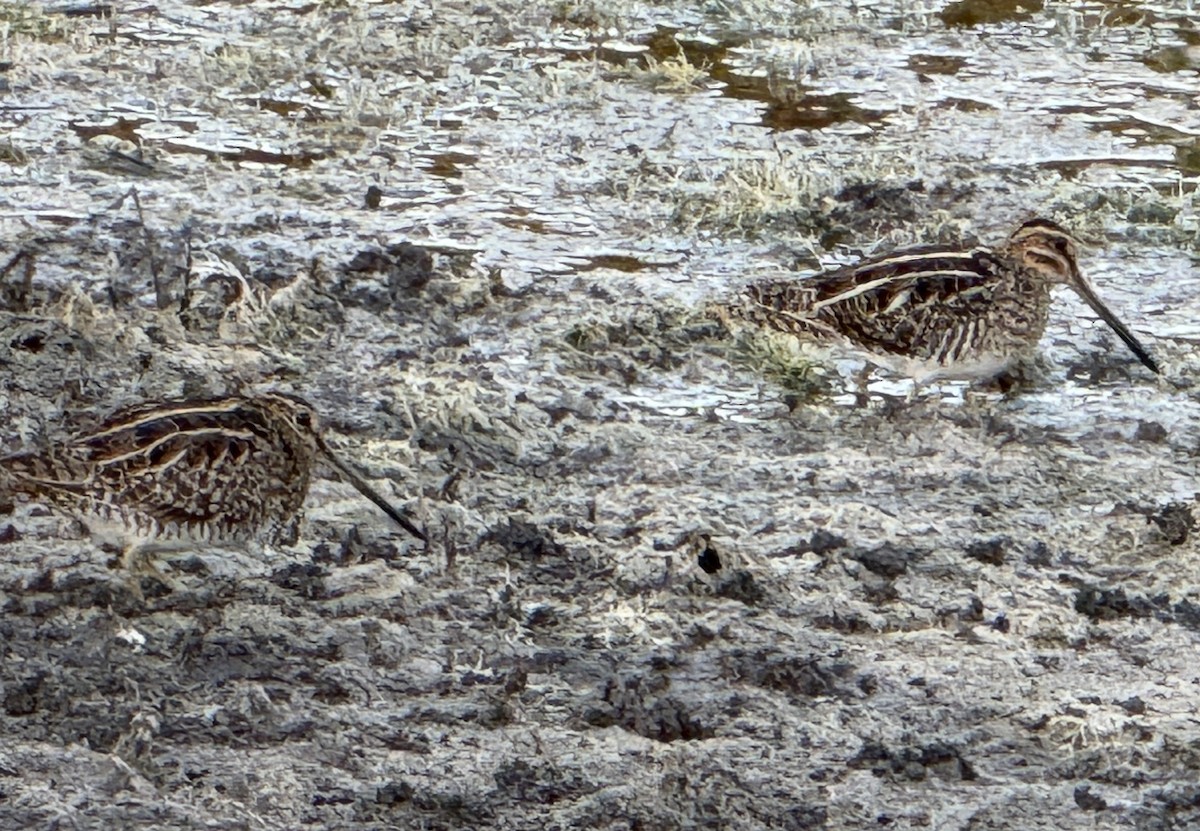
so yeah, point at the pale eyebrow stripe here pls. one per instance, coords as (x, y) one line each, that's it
(146, 418)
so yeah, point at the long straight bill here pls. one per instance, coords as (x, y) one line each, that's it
(1089, 297)
(352, 476)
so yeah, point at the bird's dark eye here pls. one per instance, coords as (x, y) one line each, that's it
(304, 419)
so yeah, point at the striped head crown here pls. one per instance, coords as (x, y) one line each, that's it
(299, 415)
(1047, 249)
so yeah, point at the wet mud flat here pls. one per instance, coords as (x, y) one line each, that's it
(483, 239)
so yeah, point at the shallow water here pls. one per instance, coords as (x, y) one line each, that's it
(937, 589)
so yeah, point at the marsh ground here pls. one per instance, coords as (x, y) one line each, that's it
(481, 238)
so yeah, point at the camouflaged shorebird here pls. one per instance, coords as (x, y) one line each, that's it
(225, 469)
(935, 312)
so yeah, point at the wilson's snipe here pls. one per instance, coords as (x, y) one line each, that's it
(226, 469)
(932, 312)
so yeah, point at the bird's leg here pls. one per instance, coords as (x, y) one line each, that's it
(138, 561)
(914, 391)
(862, 390)
(135, 557)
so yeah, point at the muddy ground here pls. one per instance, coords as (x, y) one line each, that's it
(483, 239)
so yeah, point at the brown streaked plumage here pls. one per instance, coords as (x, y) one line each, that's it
(936, 312)
(233, 468)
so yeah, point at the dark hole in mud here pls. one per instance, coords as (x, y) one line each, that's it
(709, 560)
(34, 343)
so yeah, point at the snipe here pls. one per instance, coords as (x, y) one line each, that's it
(233, 468)
(934, 312)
